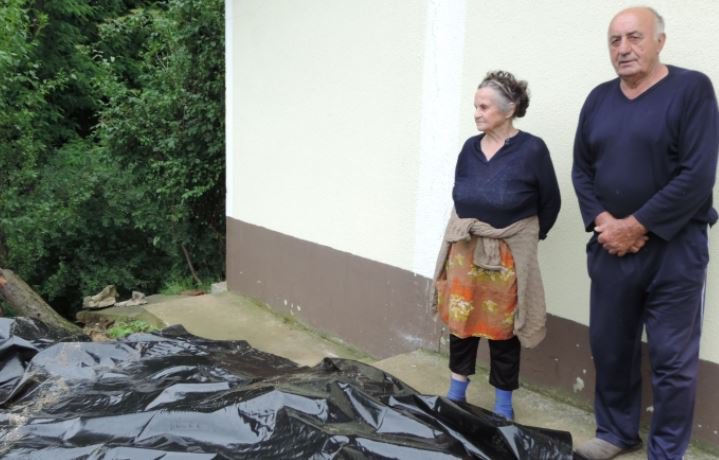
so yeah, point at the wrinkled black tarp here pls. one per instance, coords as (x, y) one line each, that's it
(172, 395)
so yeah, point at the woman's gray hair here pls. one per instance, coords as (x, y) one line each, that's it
(512, 92)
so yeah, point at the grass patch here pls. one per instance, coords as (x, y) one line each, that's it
(124, 328)
(177, 285)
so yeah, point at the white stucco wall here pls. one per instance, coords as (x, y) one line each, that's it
(324, 129)
(344, 117)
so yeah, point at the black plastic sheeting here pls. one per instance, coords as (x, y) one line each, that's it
(171, 395)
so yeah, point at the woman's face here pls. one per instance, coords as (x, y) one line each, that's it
(488, 114)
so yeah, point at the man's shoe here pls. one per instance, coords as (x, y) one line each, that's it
(599, 449)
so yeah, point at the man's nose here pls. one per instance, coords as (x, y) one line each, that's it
(623, 47)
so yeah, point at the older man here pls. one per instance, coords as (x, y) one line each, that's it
(645, 159)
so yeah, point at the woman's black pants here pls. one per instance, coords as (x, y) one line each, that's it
(504, 360)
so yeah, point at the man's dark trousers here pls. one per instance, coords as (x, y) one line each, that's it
(662, 288)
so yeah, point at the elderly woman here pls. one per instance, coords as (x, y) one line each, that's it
(506, 198)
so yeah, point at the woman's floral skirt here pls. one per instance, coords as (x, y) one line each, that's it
(474, 301)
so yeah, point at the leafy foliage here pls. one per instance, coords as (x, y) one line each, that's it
(111, 144)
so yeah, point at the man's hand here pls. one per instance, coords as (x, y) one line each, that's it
(620, 236)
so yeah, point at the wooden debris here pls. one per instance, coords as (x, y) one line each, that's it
(28, 303)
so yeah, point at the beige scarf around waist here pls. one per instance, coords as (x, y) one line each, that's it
(522, 237)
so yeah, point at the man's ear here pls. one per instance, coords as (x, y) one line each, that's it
(661, 40)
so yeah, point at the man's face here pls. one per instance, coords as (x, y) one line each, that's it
(633, 43)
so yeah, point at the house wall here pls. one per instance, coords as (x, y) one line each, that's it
(344, 120)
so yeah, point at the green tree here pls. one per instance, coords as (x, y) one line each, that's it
(111, 144)
(164, 121)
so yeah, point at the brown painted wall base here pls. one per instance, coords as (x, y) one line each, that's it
(376, 307)
(383, 310)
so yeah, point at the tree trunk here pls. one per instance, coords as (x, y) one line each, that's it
(28, 303)
(3, 251)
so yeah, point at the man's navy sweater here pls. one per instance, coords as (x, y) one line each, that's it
(654, 156)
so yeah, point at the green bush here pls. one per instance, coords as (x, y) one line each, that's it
(111, 144)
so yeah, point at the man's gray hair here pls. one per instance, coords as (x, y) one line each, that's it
(658, 22)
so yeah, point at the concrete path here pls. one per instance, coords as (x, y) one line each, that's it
(229, 316)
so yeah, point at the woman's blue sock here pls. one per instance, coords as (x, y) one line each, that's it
(503, 403)
(457, 390)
